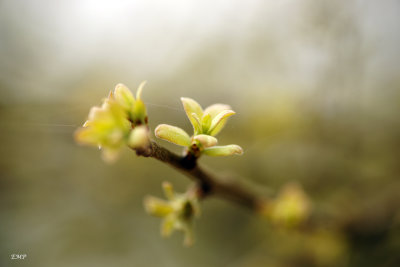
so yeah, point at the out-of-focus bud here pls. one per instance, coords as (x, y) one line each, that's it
(134, 108)
(177, 212)
(107, 128)
(291, 207)
(157, 207)
(124, 97)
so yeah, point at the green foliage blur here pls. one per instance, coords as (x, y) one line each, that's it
(315, 86)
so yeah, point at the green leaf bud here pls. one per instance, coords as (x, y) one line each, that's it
(139, 137)
(206, 140)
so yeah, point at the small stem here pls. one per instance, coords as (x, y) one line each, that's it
(209, 183)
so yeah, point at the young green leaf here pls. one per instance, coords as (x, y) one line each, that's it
(223, 150)
(172, 134)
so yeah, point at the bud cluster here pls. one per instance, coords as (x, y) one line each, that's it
(121, 120)
(206, 125)
(178, 211)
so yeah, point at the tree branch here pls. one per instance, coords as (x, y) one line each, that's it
(208, 183)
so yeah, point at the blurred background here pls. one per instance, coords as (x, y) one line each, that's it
(315, 84)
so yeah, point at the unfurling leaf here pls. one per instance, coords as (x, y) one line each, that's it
(219, 121)
(191, 106)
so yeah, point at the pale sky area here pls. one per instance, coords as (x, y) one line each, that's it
(45, 42)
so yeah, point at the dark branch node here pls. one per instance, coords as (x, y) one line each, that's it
(207, 183)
